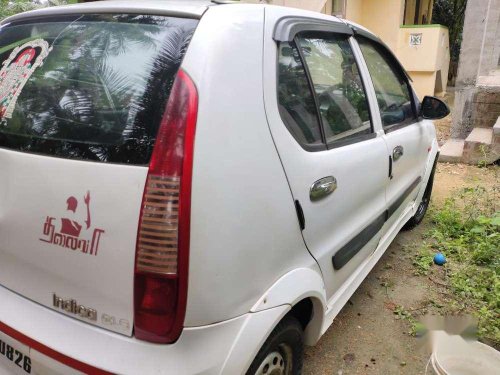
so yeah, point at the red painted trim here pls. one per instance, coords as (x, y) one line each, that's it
(59, 357)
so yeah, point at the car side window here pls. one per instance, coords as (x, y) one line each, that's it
(391, 85)
(341, 97)
(295, 99)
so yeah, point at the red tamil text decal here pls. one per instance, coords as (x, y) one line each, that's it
(73, 235)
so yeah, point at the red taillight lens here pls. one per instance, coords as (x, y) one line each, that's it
(161, 267)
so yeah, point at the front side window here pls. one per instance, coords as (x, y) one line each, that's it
(90, 87)
(341, 97)
(391, 86)
(296, 101)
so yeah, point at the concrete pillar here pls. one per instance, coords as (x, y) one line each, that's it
(489, 53)
(479, 55)
(472, 38)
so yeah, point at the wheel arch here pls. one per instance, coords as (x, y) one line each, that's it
(303, 289)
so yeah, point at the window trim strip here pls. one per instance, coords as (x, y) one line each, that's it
(288, 27)
(311, 88)
(351, 140)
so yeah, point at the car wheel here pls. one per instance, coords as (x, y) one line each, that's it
(282, 353)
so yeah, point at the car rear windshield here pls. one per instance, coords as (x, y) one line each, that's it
(90, 87)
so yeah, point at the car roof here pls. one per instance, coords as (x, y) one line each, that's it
(179, 8)
(188, 8)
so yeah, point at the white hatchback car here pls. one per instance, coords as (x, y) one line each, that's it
(188, 187)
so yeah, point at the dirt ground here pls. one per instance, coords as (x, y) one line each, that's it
(443, 126)
(367, 337)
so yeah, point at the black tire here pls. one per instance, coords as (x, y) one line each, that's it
(286, 342)
(424, 203)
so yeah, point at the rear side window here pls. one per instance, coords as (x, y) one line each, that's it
(391, 86)
(90, 87)
(296, 101)
(337, 83)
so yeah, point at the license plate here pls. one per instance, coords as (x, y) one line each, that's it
(14, 356)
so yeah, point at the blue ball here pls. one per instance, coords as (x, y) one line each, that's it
(439, 259)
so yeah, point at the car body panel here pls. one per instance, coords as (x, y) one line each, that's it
(199, 350)
(249, 263)
(258, 226)
(35, 258)
(359, 168)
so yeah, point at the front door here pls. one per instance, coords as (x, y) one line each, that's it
(335, 163)
(408, 143)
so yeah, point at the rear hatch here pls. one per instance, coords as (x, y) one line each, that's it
(81, 100)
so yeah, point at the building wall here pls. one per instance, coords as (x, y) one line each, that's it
(354, 11)
(477, 102)
(489, 53)
(423, 82)
(426, 72)
(314, 5)
(383, 17)
(424, 10)
(470, 52)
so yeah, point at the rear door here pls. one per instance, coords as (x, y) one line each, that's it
(335, 162)
(81, 99)
(407, 139)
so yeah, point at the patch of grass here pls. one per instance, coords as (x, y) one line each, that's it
(404, 314)
(423, 260)
(467, 230)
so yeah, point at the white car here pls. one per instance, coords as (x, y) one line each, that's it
(195, 188)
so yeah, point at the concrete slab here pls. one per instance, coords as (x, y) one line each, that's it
(481, 135)
(496, 128)
(481, 147)
(451, 151)
(488, 81)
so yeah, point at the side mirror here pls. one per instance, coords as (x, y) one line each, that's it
(433, 108)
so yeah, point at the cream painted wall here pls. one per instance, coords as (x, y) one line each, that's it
(354, 11)
(423, 83)
(315, 5)
(434, 47)
(425, 60)
(383, 17)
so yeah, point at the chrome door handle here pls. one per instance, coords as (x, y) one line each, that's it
(322, 188)
(397, 153)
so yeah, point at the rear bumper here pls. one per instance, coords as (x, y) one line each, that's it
(60, 344)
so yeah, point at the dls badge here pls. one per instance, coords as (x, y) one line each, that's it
(70, 233)
(16, 71)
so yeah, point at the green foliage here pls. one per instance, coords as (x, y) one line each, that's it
(467, 231)
(451, 13)
(403, 314)
(423, 261)
(11, 7)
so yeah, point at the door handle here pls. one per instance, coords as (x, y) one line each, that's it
(322, 188)
(397, 153)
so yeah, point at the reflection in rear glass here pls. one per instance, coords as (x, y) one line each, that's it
(97, 93)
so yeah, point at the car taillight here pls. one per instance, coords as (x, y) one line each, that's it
(161, 266)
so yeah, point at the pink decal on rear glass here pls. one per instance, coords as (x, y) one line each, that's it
(16, 71)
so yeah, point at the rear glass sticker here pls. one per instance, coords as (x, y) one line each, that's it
(16, 71)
